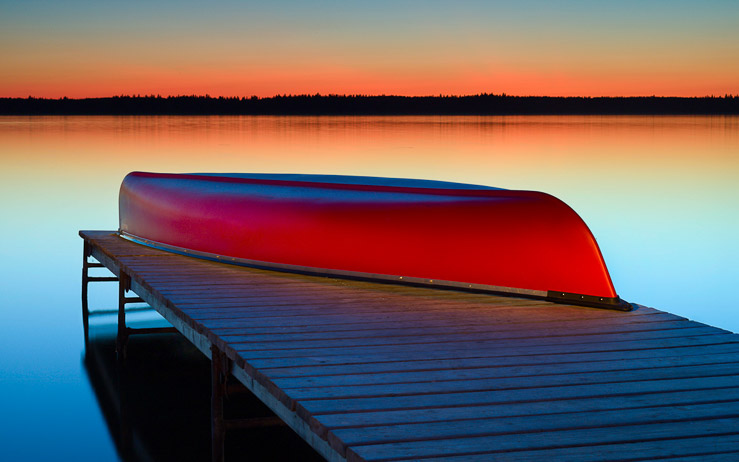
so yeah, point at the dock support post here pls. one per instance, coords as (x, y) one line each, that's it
(86, 280)
(124, 284)
(220, 369)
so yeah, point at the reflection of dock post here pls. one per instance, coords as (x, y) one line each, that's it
(124, 284)
(125, 431)
(86, 279)
(220, 369)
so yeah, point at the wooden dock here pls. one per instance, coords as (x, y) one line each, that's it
(380, 372)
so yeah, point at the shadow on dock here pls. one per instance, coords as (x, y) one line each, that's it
(157, 403)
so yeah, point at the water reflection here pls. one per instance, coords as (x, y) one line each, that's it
(156, 404)
(659, 193)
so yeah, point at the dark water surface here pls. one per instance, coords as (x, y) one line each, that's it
(660, 194)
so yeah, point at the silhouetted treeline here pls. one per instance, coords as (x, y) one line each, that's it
(483, 104)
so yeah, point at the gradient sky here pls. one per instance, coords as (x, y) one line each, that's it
(595, 48)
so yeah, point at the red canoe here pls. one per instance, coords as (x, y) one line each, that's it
(414, 231)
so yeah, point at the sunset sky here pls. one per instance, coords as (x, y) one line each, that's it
(566, 48)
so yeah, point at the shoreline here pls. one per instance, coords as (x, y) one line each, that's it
(483, 104)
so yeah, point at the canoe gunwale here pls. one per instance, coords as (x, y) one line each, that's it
(613, 303)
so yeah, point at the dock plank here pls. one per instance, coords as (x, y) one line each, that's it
(671, 356)
(530, 408)
(693, 449)
(326, 391)
(552, 329)
(493, 396)
(527, 424)
(468, 351)
(669, 432)
(517, 338)
(370, 371)
(449, 374)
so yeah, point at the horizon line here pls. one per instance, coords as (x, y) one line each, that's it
(360, 95)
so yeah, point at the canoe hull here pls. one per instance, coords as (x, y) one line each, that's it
(522, 242)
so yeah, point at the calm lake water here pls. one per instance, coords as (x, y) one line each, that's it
(661, 195)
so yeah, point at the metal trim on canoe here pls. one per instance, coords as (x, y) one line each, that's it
(615, 303)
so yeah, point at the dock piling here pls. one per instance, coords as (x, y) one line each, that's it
(220, 370)
(124, 284)
(86, 279)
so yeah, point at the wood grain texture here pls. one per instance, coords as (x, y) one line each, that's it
(369, 371)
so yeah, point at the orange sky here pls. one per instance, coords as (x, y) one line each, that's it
(83, 49)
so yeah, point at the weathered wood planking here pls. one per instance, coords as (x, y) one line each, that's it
(368, 371)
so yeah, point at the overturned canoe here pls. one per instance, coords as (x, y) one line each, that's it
(413, 231)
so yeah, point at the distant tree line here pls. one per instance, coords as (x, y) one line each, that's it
(481, 104)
